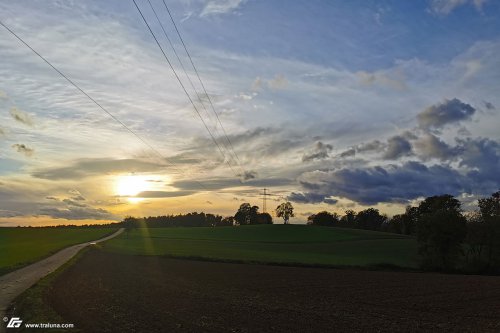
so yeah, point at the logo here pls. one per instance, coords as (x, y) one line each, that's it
(15, 322)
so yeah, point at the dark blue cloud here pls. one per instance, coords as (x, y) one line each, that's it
(311, 197)
(398, 184)
(439, 115)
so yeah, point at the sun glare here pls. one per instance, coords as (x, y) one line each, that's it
(129, 186)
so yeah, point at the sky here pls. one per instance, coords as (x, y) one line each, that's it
(332, 105)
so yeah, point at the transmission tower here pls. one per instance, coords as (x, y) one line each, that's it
(264, 199)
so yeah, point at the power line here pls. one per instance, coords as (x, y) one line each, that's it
(183, 87)
(230, 149)
(160, 155)
(82, 91)
(201, 82)
(180, 61)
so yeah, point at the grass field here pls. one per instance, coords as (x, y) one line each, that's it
(273, 244)
(21, 246)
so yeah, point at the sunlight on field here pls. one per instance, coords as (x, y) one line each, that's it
(273, 244)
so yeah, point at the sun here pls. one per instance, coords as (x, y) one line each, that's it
(129, 186)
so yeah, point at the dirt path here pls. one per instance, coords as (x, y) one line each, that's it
(14, 283)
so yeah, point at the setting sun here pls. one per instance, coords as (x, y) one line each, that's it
(129, 186)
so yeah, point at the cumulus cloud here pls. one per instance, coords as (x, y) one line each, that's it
(449, 112)
(430, 146)
(398, 184)
(308, 197)
(373, 146)
(311, 198)
(21, 116)
(320, 151)
(397, 147)
(22, 148)
(482, 157)
(217, 7)
(479, 162)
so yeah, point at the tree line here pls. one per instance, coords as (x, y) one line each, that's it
(246, 215)
(193, 219)
(448, 239)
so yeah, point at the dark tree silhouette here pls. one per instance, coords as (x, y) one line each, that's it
(349, 219)
(441, 229)
(489, 209)
(226, 222)
(403, 223)
(264, 218)
(285, 210)
(370, 219)
(246, 214)
(324, 218)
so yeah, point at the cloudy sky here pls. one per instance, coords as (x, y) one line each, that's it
(332, 105)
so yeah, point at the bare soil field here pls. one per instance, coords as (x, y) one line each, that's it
(109, 292)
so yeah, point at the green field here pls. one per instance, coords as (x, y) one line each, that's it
(21, 246)
(273, 244)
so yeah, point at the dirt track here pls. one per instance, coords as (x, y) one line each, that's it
(107, 292)
(14, 283)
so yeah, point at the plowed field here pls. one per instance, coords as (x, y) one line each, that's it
(109, 292)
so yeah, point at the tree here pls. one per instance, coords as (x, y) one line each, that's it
(349, 219)
(489, 209)
(246, 214)
(402, 223)
(476, 239)
(264, 218)
(395, 224)
(213, 220)
(285, 210)
(226, 222)
(370, 219)
(324, 218)
(441, 229)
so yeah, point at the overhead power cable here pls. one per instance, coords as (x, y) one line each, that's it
(157, 153)
(183, 87)
(181, 63)
(201, 82)
(229, 148)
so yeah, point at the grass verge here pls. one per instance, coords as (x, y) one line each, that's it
(32, 306)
